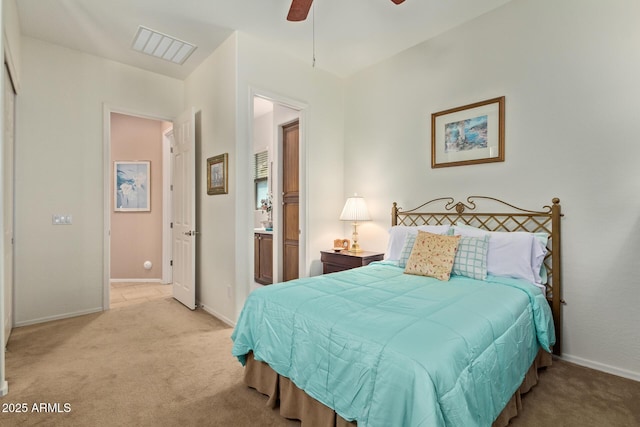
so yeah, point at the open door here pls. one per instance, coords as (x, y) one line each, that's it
(184, 209)
(291, 200)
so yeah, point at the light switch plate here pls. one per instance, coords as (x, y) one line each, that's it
(57, 219)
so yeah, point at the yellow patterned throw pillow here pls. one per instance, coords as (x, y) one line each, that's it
(432, 255)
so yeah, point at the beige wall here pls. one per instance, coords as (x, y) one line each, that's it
(11, 33)
(136, 237)
(572, 98)
(211, 90)
(60, 169)
(220, 92)
(264, 69)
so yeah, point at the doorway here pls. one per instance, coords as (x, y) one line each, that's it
(134, 234)
(278, 130)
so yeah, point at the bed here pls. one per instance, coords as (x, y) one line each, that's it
(376, 346)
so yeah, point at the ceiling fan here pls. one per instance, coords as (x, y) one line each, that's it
(300, 9)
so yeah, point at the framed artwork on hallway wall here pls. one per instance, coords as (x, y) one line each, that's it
(132, 186)
(468, 135)
(217, 174)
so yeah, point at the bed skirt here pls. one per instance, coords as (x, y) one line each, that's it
(296, 404)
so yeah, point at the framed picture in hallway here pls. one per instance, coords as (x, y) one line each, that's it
(217, 175)
(132, 186)
(468, 135)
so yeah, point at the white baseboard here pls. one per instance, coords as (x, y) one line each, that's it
(217, 315)
(58, 317)
(136, 280)
(601, 367)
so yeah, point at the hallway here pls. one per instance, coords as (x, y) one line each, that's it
(124, 294)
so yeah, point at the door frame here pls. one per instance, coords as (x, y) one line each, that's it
(8, 68)
(301, 107)
(106, 189)
(10, 249)
(167, 206)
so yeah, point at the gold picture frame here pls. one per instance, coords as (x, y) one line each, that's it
(217, 174)
(342, 244)
(468, 135)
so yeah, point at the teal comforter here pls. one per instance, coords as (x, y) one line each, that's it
(390, 349)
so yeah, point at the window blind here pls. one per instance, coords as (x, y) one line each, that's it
(261, 165)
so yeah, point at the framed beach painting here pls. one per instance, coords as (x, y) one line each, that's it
(468, 135)
(132, 186)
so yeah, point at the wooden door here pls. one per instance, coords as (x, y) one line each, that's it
(290, 200)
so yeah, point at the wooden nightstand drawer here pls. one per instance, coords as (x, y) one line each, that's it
(344, 260)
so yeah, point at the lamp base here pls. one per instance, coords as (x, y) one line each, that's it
(355, 248)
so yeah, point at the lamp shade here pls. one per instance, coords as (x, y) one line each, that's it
(355, 209)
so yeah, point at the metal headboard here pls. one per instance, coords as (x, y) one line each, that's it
(512, 219)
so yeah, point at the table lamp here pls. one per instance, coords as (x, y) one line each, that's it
(355, 209)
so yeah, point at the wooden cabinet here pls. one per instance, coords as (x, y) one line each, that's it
(344, 260)
(263, 258)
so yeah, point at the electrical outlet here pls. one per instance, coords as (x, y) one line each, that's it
(228, 291)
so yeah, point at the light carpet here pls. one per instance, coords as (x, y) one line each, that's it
(160, 364)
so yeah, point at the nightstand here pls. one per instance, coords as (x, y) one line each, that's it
(344, 260)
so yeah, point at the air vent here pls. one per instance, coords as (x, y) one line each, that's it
(162, 46)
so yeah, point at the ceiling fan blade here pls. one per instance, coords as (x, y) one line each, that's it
(397, 1)
(299, 10)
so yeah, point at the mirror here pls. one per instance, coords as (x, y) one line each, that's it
(262, 191)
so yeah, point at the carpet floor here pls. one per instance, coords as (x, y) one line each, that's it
(159, 364)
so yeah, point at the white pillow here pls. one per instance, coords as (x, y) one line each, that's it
(398, 234)
(513, 254)
(541, 273)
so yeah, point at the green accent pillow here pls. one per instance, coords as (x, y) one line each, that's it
(471, 257)
(406, 249)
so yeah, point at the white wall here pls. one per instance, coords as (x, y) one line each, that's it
(265, 70)
(263, 136)
(569, 73)
(211, 89)
(59, 170)
(9, 27)
(11, 33)
(221, 90)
